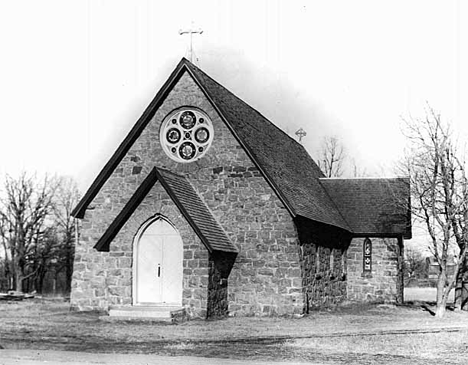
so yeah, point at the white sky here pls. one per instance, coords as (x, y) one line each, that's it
(76, 75)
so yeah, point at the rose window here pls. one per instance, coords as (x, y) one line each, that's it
(186, 135)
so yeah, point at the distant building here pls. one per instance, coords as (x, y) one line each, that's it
(208, 207)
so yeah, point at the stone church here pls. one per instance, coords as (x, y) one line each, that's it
(209, 209)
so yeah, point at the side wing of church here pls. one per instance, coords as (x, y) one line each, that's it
(208, 207)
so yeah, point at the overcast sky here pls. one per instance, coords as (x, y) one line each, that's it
(76, 75)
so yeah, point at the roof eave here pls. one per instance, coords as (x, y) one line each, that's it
(184, 212)
(125, 145)
(249, 152)
(104, 242)
(114, 228)
(405, 235)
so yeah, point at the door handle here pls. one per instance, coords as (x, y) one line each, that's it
(159, 270)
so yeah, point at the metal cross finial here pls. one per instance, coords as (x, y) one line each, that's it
(301, 133)
(191, 31)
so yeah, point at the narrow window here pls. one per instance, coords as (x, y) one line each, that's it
(367, 256)
(317, 259)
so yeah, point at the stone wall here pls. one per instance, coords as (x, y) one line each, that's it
(218, 305)
(102, 279)
(324, 271)
(382, 284)
(266, 277)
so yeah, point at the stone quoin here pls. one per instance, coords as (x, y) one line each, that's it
(209, 207)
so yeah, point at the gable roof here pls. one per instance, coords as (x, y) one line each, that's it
(373, 206)
(127, 143)
(195, 211)
(186, 199)
(285, 163)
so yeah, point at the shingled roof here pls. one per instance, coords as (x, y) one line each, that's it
(189, 203)
(285, 163)
(196, 212)
(373, 206)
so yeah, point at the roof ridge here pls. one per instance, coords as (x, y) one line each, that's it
(287, 167)
(117, 223)
(199, 74)
(142, 191)
(188, 216)
(244, 102)
(373, 206)
(334, 203)
(169, 171)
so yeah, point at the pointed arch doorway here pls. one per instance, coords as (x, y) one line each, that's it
(158, 265)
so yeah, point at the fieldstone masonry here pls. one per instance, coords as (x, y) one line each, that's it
(382, 283)
(102, 279)
(218, 305)
(266, 277)
(274, 272)
(324, 276)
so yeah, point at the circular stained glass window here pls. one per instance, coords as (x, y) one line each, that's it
(173, 135)
(187, 150)
(186, 134)
(202, 135)
(187, 119)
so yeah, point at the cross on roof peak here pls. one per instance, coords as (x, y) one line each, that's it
(301, 133)
(192, 30)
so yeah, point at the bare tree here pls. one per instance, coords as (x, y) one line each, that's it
(45, 255)
(358, 171)
(24, 208)
(439, 191)
(414, 265)
(6, 254)
(331, 157)
(66, 199)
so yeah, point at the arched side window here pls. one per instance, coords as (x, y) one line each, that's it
(367, 256)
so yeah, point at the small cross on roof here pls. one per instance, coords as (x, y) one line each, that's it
(301, 133)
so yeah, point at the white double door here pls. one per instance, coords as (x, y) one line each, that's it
(158, 265)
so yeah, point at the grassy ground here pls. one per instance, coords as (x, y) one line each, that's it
(372, 334)
(424, 294)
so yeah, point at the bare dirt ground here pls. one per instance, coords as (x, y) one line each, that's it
(371, 334)
(50, 357)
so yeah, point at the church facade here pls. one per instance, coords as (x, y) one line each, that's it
(209, 207)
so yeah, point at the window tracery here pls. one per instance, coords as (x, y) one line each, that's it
(186, 135)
